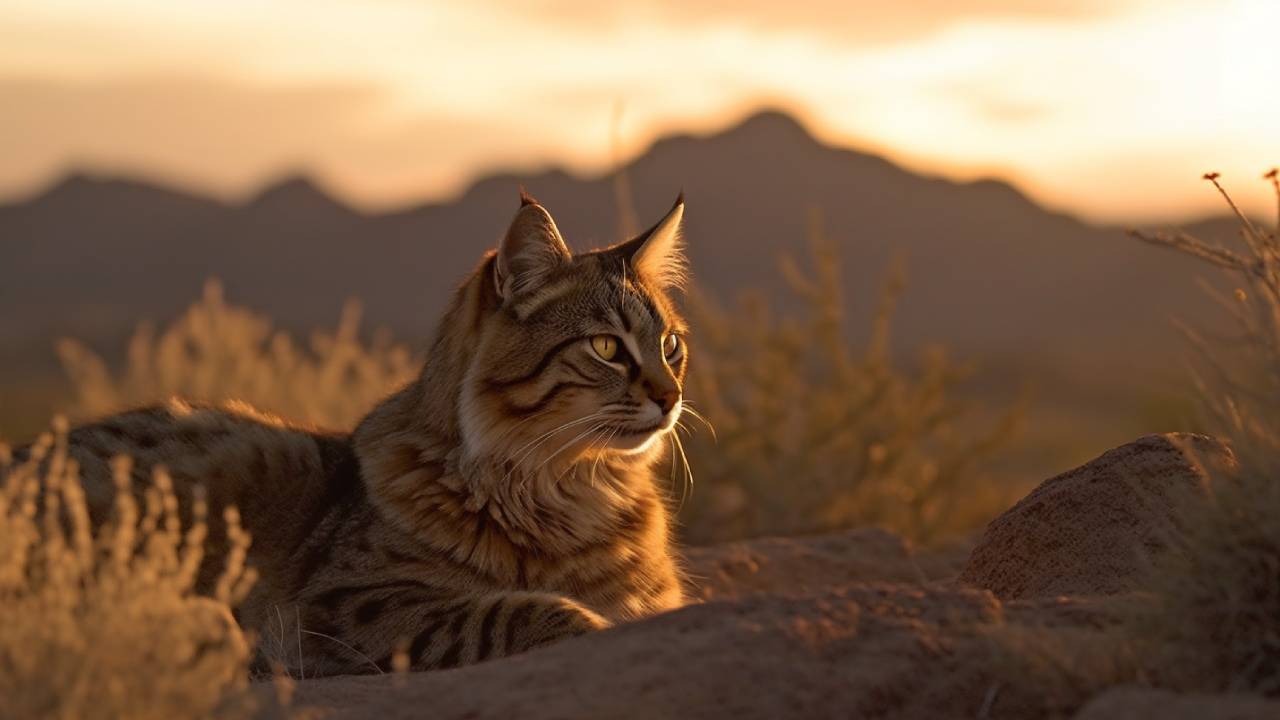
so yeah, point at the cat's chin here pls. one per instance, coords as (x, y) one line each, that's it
(637, 442)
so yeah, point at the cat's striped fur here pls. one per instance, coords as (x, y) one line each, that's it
(502, 501)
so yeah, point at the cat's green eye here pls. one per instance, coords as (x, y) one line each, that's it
(606, 346)
(671, 347)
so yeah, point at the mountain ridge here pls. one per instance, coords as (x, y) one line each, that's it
(990, 272)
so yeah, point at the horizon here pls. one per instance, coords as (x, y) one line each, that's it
(1106, 111)
(321, 185)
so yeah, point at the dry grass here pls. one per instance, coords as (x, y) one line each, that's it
(105, 623)
(1210, 619)
(1218, 616)
(1053, 671)
(217, 352)
(814, 432)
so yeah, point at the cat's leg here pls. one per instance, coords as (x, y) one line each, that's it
(368, 630)
(498, 625)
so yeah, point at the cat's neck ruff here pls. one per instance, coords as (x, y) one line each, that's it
(414, 474)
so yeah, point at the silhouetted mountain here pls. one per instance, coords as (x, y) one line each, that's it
(297, 199)
(990, 272)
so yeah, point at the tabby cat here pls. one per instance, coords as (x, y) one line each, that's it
(502, 501)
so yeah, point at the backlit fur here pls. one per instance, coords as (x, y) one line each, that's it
(501, 501)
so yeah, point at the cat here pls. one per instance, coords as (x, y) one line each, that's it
(502, 501)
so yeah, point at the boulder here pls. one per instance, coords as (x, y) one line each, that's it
(819, 563)
(866, 651)
(1093, 530)
(857, 624)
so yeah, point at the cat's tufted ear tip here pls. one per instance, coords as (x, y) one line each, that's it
(530, 250)
(679, 200)
(526, 199)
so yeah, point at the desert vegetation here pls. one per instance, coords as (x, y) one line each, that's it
(216, 352)
(1217, 610)
(816, 432)
(107, 623)
(796, 429)
(1209, 620)
(861, 441)
(865, 440)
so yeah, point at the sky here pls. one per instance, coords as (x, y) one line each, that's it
(1108, 109)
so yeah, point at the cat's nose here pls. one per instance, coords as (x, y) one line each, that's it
(665, 399)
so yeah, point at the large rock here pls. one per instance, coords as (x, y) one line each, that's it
(1093, 530)
(815, 564)
(855, 624)
(798, 628)
(866, 651)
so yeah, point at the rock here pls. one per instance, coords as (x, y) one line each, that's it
(1093, 530)
(866, 651)
(856, 624)
(1128, 703)
(808, 564)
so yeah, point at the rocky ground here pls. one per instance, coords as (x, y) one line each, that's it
(853, 625)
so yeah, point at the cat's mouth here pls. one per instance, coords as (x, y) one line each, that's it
(638, 437)
(628, 431)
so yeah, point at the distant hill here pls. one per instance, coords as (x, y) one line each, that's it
(991, 274)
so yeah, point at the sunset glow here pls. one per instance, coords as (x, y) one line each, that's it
(1109, 110)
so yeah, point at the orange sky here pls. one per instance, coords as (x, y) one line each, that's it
(1110, 109)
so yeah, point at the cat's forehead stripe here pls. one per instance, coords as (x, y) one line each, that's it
(543, 297)
(639, 307)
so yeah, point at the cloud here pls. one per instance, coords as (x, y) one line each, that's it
(400, 99)
(228, 136)
(861, 22)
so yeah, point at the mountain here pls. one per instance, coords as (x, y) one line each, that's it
(990, 273)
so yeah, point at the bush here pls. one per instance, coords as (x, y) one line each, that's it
(107, 624)
(813, 434)
(217, 352)
(1218, 612)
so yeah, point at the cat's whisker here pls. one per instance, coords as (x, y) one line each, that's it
(516, 462)
(533, 445)
(596, 428)
(511, 430)
(672, 475)
(354, 651)
(591, 444)
(553, 431)
(700, 418)
(684, 459)
(603, 446)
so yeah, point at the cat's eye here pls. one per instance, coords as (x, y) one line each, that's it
(671, 347)
(606, 346)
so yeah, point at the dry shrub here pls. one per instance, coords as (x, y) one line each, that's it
(813, 434)
(1210, 618)
(106, 624)
(1218, 617)
(217, 352)
(1051, 671)
(1217, 621)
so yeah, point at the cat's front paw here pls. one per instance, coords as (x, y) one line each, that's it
(544, 619)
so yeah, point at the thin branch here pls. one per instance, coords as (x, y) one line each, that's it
(1185, 243)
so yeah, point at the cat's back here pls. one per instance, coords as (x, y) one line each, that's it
(284, 480)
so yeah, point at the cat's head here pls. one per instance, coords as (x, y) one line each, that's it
(576, 355)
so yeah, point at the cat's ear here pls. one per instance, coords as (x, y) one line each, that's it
(530, 251)
(657, 254)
